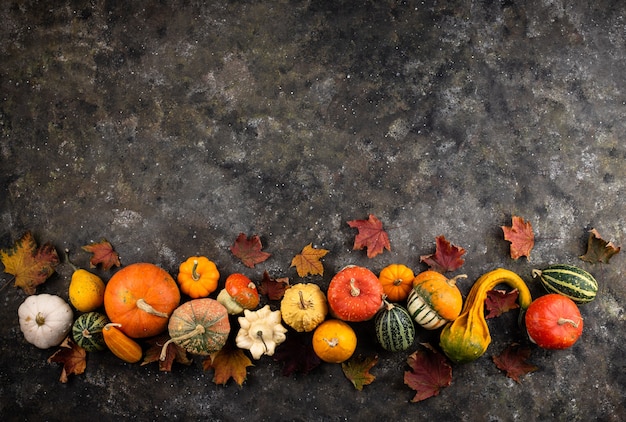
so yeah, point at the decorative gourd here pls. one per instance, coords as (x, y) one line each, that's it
(198, 277)
(467, 337)
(200, 326)
(141, 297)
(87, 331)
(86, 291)
(434, 299)
(238, 294)
(394, 328)
(568, 280)
(120, 344)
(45, 320)
(334, 341)
(260, 332)
(553, 321)
(303, 307)
(355, 294)
(397, 282)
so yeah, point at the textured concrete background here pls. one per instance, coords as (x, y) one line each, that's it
(170, 127)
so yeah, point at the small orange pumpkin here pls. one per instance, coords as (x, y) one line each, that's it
(434, 299)
(198, 277)
(334, 341)
(141, 297)
(397, 281)
(355, 294)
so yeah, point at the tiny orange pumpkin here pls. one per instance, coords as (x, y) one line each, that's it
(334, 341)
(198, 277)
(397, 281)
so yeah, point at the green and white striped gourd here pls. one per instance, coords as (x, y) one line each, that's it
(395, 330)
(87, 331)
(568, 280)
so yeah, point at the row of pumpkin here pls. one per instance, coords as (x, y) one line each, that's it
(142, 300)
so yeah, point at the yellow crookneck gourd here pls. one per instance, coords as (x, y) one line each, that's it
(467, 338)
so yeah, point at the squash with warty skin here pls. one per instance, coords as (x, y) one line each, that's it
(355, 294)
(303, 307)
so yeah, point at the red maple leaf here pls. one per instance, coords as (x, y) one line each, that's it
(513, 361)
(248, 250)
(447, 257)
(500, 301)
(521, 236)
(598, 249)
(371, 236)
(430, 372)
(103, 253)
(274, 289)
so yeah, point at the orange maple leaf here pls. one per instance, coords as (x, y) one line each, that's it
(103, 253)
(248, 250)
(72, 356)
(371, 236)
(308, 261)
(229, 362)
(357, 370)
(30, 265)
(521, 236)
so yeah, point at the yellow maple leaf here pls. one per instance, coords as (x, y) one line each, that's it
(30, 265)
(229, 362)
(308, 261)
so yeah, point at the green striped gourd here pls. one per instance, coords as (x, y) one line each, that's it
(87, 331)
(394, 328)
(568, 280)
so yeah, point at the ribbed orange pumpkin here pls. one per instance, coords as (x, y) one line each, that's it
(141, 297)
(397, 281)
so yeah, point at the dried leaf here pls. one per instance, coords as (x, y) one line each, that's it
(72, 356)
(308, 261)
(274, 289)
(371, 236)
(102, 253)
(30, 265)
(447, 257)
(229, 362)
(430, 372)
(297, 354)
(513, 361)
(174, 353)
(598, 249)
(248, 250)
(521, 236)
(500, 301)
(356, 369)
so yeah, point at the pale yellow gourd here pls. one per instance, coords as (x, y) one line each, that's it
(304, 307)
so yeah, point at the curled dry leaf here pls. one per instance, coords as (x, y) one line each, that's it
(598, 249)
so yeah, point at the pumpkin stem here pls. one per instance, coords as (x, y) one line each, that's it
(302, 303)
(333, 342)
(40, 319)
(452, 281)
(67, 258)
(354, 290)
(563, 321)
(194, 272)
(259, 334)
(198, 330)
(146, 307)
(398, 281)
(86, 333)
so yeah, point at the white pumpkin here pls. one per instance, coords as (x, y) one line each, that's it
(45, 320)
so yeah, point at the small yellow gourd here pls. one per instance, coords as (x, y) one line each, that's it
(86, 291)
(467, 337)
(304, 307)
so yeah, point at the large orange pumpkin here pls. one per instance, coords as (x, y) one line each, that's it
(141, 297)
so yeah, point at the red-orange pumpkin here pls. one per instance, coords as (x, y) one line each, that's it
(141, 297)
(355, 294)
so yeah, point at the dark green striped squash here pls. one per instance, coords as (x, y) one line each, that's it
(568, 280)
(395, 330)
(87, 331)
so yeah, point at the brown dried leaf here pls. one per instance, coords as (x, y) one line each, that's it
(430, 372)
(229, 362)
(72, 356)
(500, 301)
(174, 353)
(308, 261)
(248, 250)
(447, 257)
(521, 236)
(102, 253)
(598, 249)
(513, 359)
(274, 289)
(371, 236)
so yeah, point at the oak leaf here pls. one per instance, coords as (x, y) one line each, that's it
(248, 250)
(173, 353)
(430, 372)
(598, 249)
(521, 236)
(229, 362)
(273, 288)
(500, 301)
(72, 356)
(297, 354)
(447, 257)
(357, 370)
(31, 265)
(102, 253)
(371, 236)
(308, 261)
(513, 361)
